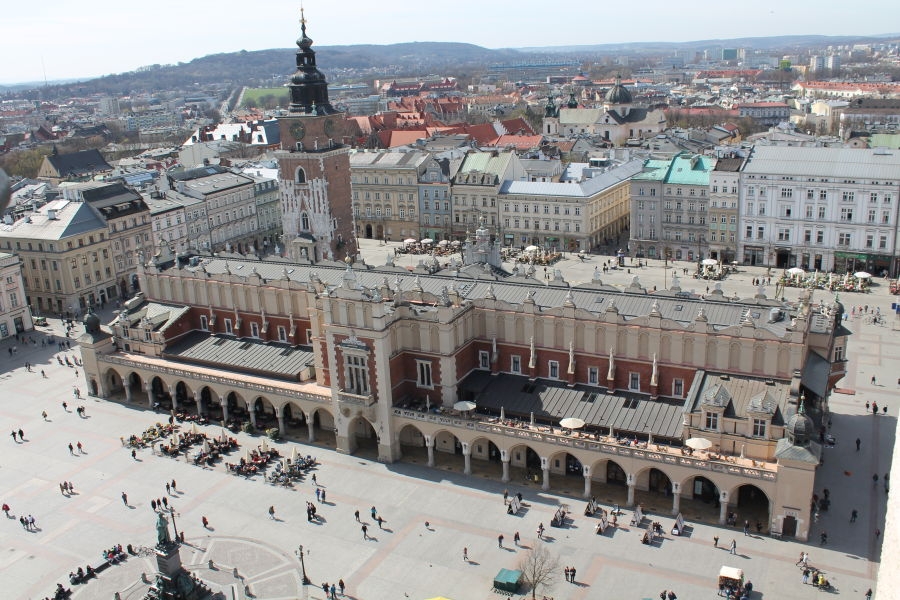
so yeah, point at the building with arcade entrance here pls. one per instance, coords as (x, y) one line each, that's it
(470, 369)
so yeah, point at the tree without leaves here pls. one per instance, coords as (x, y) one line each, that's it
(538, 568)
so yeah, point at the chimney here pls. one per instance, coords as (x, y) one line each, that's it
(51, 214)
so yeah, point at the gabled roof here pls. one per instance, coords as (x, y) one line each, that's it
(78, 164)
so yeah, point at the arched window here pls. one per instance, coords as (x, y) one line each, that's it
(305, 222)
(300, 176)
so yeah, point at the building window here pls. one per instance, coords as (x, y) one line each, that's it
(759, 428)
(843, 239)
(254, 330)
(678, 388)
(553, 369)
(838, 353)
(228, 329)
(484, 359)
(204, 323)
(423, 374)
(712, 421)
(593, 375)
(282, 334)
(515, 364)
(634, 381)
(357, 374)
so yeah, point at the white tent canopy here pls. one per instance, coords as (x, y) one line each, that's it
(862, 275)
(709, 262)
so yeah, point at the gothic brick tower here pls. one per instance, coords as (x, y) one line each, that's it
(314, 164)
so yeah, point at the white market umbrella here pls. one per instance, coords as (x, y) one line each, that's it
(443, 243)
(409, 241)
(455, 243)
(174, 441)
(532, 419)
(796, 271)
(224, 436)
(464, 405)
(206, 447)
(427, 241)
(862, 275)
(572, 423)
(698, 444)
(294, 455)
(709, 262)
(248, 457)
(502, 412)
(265, 445)
(532, 249)
(194, 429)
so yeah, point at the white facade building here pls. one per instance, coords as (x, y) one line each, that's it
(820, 208)
(15, 316)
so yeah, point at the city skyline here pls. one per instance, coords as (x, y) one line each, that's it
(101, 39)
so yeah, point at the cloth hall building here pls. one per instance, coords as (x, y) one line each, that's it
(373, 361)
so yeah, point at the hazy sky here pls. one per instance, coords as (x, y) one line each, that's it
(96, 37)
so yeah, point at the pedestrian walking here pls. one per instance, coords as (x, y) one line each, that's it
(516, 538)
(62, 489)
(5, 509)
(374, 512)
(341, 586)
(380, 521)
(80, 448)
(44, 414)
(174, 488)
(272, 512)
(71, 449)
(566, 571)
(23, 522)
(746, 527)
(153, 504)
(540, 530)
(333, 592)
(572, 574)
(500, 541)
(715, 541)
(165, 502)
(858, 442)
(66, 407)
(805, 575)
(356, 514)
(317, 495)
(21, 434)
(505, 496)
(869, 594)
(205, 522)
(70, 487)
(124, 498)
(733, 549)
(365, 531)
(314, 479)
(323, 495)
(133, 454)
(14, 434)
(168, 488)
(853, 515)
(465, 558)
(873, 380)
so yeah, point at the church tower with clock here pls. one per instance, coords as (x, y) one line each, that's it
(314, 165)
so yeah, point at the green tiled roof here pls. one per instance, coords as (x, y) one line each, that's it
(654, 170)
(690, 170)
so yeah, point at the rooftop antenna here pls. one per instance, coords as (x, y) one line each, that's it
(44, 69)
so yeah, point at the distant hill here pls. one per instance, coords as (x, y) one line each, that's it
(412, 58)
(757, 43)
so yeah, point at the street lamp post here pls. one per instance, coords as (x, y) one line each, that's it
(299, 553)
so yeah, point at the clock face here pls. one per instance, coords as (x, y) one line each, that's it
(329, 127)
(298, 130)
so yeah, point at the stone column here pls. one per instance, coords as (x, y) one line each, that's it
(223, 400)
(429, 446)
(631, 484)
(587, 480)
(545, 467)
(279, 414)
(723, 508)
(151, 396)
(311, 427)
(504, 458)
(252, 414)
(127, 387)
(676, 498)
(174, 397)
(198, 399)
(467, 456)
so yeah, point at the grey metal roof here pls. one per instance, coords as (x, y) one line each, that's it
(71, 218)
(551, 401)
(586, 188)
(682, 309)
(877, 164)
(244, 355)
(744, 394)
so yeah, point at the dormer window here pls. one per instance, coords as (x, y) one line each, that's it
(711, 421)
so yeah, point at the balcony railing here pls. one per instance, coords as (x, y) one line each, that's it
(356, 399)
(654, 452)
